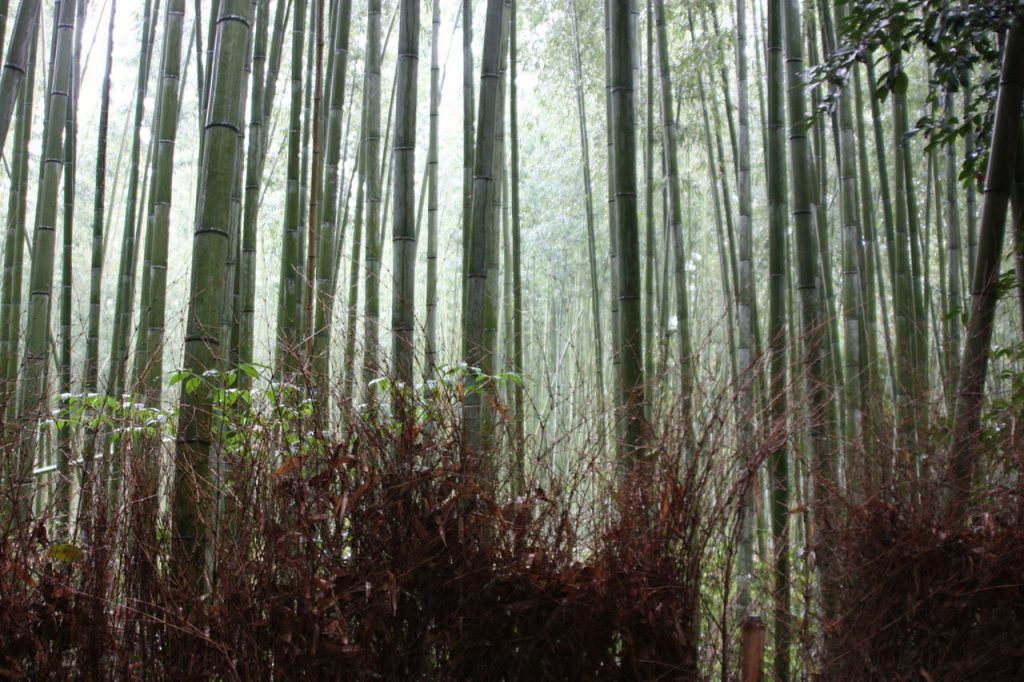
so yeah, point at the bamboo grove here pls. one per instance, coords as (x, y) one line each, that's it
(625, 216)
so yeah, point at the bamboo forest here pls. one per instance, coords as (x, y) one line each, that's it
(501, 340)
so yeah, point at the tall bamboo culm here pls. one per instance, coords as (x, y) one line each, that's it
(430, 340)
(90, 372)
(588, 192)
(627, 228)
(23, 40)
(14, 256)
(153, 306)
(403, 305)
(372, 236)
(211, 238)
(250, 208)
(778, 286)
(985, 286)
(328, 234)
(33, 397)
(290, 294)
(481, 232)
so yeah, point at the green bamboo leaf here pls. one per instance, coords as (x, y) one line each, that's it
(900, 83)
(65, 553)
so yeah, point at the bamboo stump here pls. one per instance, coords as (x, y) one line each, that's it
(752, 650)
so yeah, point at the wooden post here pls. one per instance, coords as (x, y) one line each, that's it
(752, 650)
